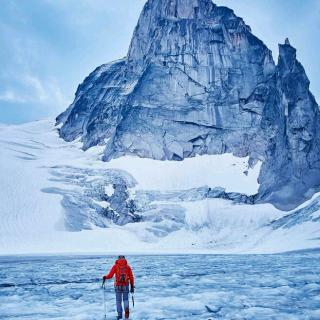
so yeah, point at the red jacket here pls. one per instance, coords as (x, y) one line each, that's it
(121, 267)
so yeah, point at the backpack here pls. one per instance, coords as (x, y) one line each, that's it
(122, 275)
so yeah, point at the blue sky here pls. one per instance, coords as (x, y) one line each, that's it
(49, 46)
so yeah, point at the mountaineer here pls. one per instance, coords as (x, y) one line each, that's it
(123, 278)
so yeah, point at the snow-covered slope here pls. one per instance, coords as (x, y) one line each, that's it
(224, 170)
(49, 204)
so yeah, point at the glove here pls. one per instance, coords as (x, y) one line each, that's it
(103, 281)
(132, 289)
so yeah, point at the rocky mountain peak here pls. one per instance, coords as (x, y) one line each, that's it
(197, 81)
(176, 27)
(178, 9)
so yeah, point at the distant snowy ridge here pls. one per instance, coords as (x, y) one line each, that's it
(50, 192)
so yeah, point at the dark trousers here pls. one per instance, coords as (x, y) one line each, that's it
(122, 295)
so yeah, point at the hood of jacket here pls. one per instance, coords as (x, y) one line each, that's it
(121, 262)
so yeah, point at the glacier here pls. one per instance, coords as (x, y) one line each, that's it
(197, 81)
(57, 198)
(194, 287)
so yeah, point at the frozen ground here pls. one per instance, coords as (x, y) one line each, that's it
(252, 287)
(47, 187)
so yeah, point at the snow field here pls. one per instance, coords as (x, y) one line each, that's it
(32, 221)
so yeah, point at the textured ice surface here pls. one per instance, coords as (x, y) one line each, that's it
(225, 287)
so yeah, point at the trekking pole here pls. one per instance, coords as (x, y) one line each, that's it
(132, 297)
(104, 300)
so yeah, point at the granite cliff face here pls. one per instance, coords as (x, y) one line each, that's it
(197, 81)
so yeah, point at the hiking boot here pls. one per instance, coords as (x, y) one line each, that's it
(119, 317)
(127, 314)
